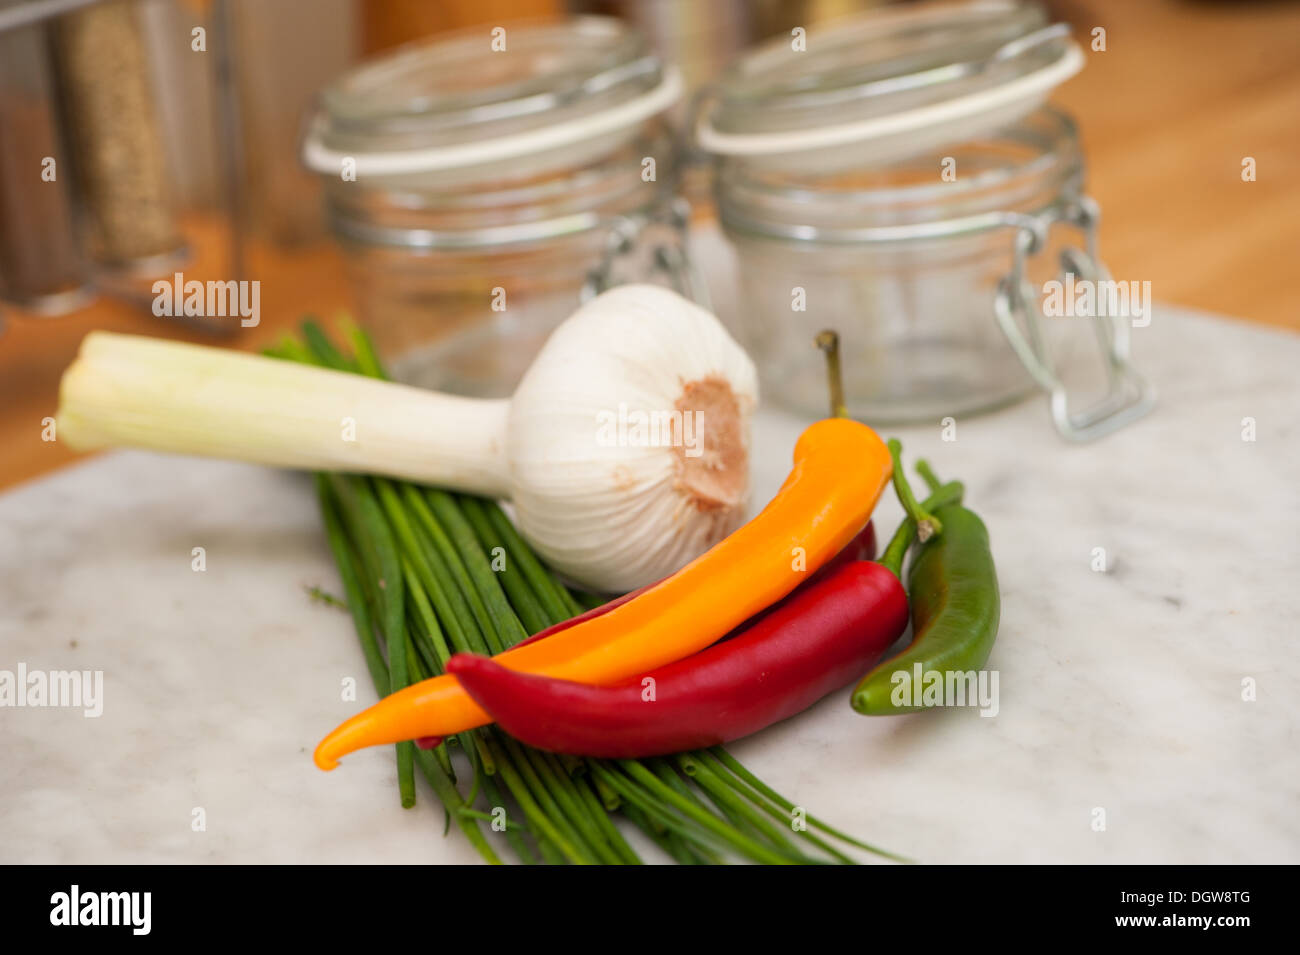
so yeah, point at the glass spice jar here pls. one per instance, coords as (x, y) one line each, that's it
(483, 183)
(899, 179)
(42, 270)
(116, 136)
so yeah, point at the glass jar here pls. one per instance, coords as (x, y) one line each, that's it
(42, 270)
(482, 184)
(900, 181)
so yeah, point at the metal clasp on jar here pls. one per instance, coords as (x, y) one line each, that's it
(630, 235)
(1128, 395)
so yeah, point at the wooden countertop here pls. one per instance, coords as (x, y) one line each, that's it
(1182, 93)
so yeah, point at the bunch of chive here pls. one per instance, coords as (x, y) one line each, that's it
(427, 573)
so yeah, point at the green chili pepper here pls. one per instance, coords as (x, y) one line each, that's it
(955, 602)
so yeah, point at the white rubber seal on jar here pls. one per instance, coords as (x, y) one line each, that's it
(1028, 89)
(322, 159)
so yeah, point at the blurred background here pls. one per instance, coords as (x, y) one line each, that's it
(176, 130)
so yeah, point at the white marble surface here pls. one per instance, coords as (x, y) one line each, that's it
(1119, 690)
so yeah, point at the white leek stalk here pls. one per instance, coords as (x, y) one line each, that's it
(607, 499)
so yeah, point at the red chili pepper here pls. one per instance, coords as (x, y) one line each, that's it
(820, 638)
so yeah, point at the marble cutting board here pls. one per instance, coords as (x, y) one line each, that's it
(1120, 690)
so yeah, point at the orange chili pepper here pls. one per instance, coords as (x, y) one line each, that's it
(840, 469)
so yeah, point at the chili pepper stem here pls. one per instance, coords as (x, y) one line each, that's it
(892, 558)
(927, 474)
(829, 342)
(927, 525)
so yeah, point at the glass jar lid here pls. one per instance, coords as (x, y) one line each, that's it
(887, 83)
(474, 97)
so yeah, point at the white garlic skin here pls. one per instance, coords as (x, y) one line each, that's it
(613, 517)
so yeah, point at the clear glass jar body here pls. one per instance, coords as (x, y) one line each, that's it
(460, 282)
(904, 263)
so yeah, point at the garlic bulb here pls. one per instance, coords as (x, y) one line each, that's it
(629, 438)
(625, 448)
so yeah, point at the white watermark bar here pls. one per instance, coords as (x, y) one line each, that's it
(929, 688)
(63, 689)
(625, 428)
(75, 907)
(177, 298)
(1103, 298)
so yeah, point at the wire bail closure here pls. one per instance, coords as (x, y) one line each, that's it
(669, 256)
(1128, 396)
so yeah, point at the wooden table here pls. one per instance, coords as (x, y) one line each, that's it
(1182, 93)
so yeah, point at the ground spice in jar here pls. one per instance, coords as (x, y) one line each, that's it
(114, 131)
